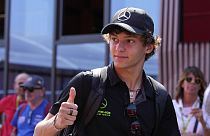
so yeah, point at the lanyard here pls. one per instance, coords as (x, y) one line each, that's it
(185, 124)
(17, 101)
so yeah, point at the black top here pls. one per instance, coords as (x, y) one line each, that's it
(111, 118)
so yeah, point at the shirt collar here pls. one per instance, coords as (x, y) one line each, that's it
(112, 75)
(195, 104)
(114, 79)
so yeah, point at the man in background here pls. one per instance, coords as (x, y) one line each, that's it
(29, 114)
(9, 103)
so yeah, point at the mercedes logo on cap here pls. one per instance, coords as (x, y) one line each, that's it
(124, 15)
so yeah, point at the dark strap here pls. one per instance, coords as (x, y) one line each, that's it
(195, 127)
(93, 102)
(95, 97)
(196, 122)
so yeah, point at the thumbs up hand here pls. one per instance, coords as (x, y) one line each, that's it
(68, 111)
(72, 94)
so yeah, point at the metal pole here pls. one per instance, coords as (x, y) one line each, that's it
(54, 56)
(107, 12)
(7, 45)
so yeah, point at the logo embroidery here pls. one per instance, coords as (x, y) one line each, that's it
(102, 110)
(103, 104)
(125, 15)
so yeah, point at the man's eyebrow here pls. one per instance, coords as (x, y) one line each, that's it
(132, 36)
(113, 34)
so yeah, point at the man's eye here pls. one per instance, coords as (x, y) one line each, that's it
(114, 39)
(130, 41)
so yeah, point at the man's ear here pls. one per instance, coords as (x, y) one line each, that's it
(149, 48)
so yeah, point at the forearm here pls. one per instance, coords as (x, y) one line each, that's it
(206, 130)
(46, 128)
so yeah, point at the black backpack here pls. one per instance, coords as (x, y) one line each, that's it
(97, 94)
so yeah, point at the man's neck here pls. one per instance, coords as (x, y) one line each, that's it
(132, 78)
(35, 104)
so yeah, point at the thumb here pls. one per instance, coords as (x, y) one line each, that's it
(72, 94)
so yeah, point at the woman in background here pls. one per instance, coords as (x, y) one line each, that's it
(191, 119)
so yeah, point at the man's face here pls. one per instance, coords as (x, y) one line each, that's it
(33, 95)
(127, 50)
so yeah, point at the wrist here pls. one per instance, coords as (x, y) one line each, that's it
(54, 123)
(205, 126)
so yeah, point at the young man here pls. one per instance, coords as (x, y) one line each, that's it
(29, 114)
(129, 105)
(9, 104)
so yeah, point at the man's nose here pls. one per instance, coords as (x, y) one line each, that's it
(120, 46)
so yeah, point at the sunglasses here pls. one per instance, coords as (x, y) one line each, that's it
(20, 84)
(190, 80)
(135, 127)
(31, 89)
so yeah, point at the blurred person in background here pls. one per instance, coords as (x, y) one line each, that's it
(29, 114)
(188, 103)
(9, 103)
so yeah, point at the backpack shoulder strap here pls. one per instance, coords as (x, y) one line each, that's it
(94, 99)
(96, 94)
(22, 108)
(160, 99)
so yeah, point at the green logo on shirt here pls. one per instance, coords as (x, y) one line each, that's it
(102, 110)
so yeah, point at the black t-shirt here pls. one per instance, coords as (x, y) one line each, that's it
(111, 118)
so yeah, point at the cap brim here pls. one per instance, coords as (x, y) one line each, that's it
(27, 85)
(108, 28)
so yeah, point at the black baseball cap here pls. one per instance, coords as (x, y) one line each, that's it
(132, 19)
(34, 82)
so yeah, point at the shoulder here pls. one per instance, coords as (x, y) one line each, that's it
(80, 76)
(159, 88)
(10, 97)
(13, 96)
(8, 102)
(46, 102)
(22, 106)
(78, 80)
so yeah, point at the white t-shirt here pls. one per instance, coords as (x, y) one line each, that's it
(187, 121)
(206, 101)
